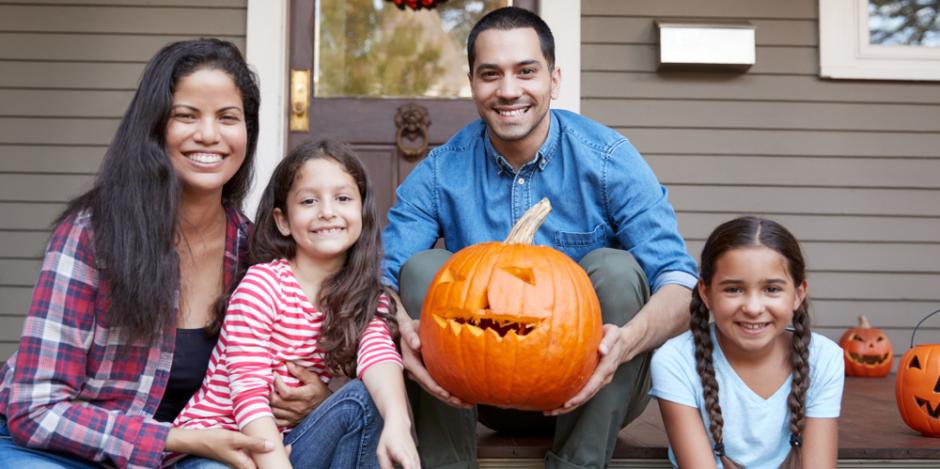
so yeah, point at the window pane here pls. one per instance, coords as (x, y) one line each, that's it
(373, 48)
(904, 22)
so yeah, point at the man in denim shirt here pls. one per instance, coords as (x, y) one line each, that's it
(609, 213)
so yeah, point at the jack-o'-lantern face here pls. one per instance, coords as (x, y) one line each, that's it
(509, 303)
(867, 350)
(511, 325)
(918, 389)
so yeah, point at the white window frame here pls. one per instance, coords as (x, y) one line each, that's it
(845, 52)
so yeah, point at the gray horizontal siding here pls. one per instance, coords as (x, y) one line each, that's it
(707, 139)
(868, 117)
(813, 171)
(72, 48)
(21, 244)
(51, 159)
(121, 20)
(851, 167)
(28, 75)
(32, 216)
(832, 228)
(643, 58)
(633, 30)
(746, 9)
(65, 103)
(750, 87)
(68, 69)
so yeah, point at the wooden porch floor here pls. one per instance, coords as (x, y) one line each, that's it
(871, 434)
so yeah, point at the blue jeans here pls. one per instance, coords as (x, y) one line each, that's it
(342, 432)
(14, 455)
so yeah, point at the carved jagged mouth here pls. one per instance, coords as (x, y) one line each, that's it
(500, 327)
(931, 410)
(868, 359)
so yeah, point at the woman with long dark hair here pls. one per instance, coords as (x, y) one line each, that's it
(131, 292)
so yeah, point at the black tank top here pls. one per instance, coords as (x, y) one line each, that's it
(190, 361)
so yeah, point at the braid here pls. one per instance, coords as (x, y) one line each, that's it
(706, 371)
(799, 362)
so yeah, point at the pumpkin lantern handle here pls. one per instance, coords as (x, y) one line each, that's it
(918, 325)
(523, 232)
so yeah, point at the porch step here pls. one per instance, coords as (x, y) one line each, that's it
(502, 463)
(871, 435)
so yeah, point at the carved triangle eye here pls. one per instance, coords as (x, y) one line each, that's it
(522, 273)
(447, 276)
(915, 363)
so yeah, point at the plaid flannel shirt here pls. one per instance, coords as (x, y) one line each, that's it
(76, 385)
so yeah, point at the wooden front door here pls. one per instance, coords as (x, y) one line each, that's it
(370, 62)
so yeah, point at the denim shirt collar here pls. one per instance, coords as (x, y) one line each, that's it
(542, 157)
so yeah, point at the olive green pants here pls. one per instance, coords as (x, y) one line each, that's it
(584, 437)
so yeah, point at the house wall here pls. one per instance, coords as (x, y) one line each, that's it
(851, 167)
(68, 69)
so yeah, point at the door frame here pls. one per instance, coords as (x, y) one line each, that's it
(267, 51)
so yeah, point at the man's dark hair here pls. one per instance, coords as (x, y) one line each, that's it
(513, 18)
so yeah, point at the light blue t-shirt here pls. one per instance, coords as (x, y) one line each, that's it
(756, 430)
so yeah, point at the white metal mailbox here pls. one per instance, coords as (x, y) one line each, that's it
(709, 45)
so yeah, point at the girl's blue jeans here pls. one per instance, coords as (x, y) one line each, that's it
(341, 432)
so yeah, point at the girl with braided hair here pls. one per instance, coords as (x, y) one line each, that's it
(755, 388)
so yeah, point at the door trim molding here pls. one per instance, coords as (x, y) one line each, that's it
(266, 52)
(565, 20)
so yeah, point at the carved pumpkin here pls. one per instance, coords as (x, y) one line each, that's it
(511, 324)
(918, 389)
(867, 351)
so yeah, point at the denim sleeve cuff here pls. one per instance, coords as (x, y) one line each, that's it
(390, 282)
(676, 277)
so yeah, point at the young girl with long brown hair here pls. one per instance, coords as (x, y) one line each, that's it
(313, 298)
(755, 388)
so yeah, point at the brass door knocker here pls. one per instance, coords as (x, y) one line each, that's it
(412, 121)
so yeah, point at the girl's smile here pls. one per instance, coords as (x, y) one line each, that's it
(324, 213)
(752, 298)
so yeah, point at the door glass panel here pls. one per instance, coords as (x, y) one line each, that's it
(371, 48)
(904, 22)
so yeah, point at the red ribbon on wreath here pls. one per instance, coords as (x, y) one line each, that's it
(416, 4)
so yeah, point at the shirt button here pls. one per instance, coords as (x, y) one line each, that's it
(521, 181)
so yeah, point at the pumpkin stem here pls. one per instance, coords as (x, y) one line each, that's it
(523, 232)
(863, 322)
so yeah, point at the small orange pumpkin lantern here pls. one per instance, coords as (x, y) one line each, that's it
(511, 324)
(867, 351)
(917, 388)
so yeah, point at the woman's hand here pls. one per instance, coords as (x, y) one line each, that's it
(228, 447)
(397, 446)
(291, 405)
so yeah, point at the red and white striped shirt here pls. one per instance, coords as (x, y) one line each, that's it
(270, 321)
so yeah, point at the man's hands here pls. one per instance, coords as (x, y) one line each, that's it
(231, 448)
(414, 366)
(613, 349)
(291, 405)
(664, 316)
